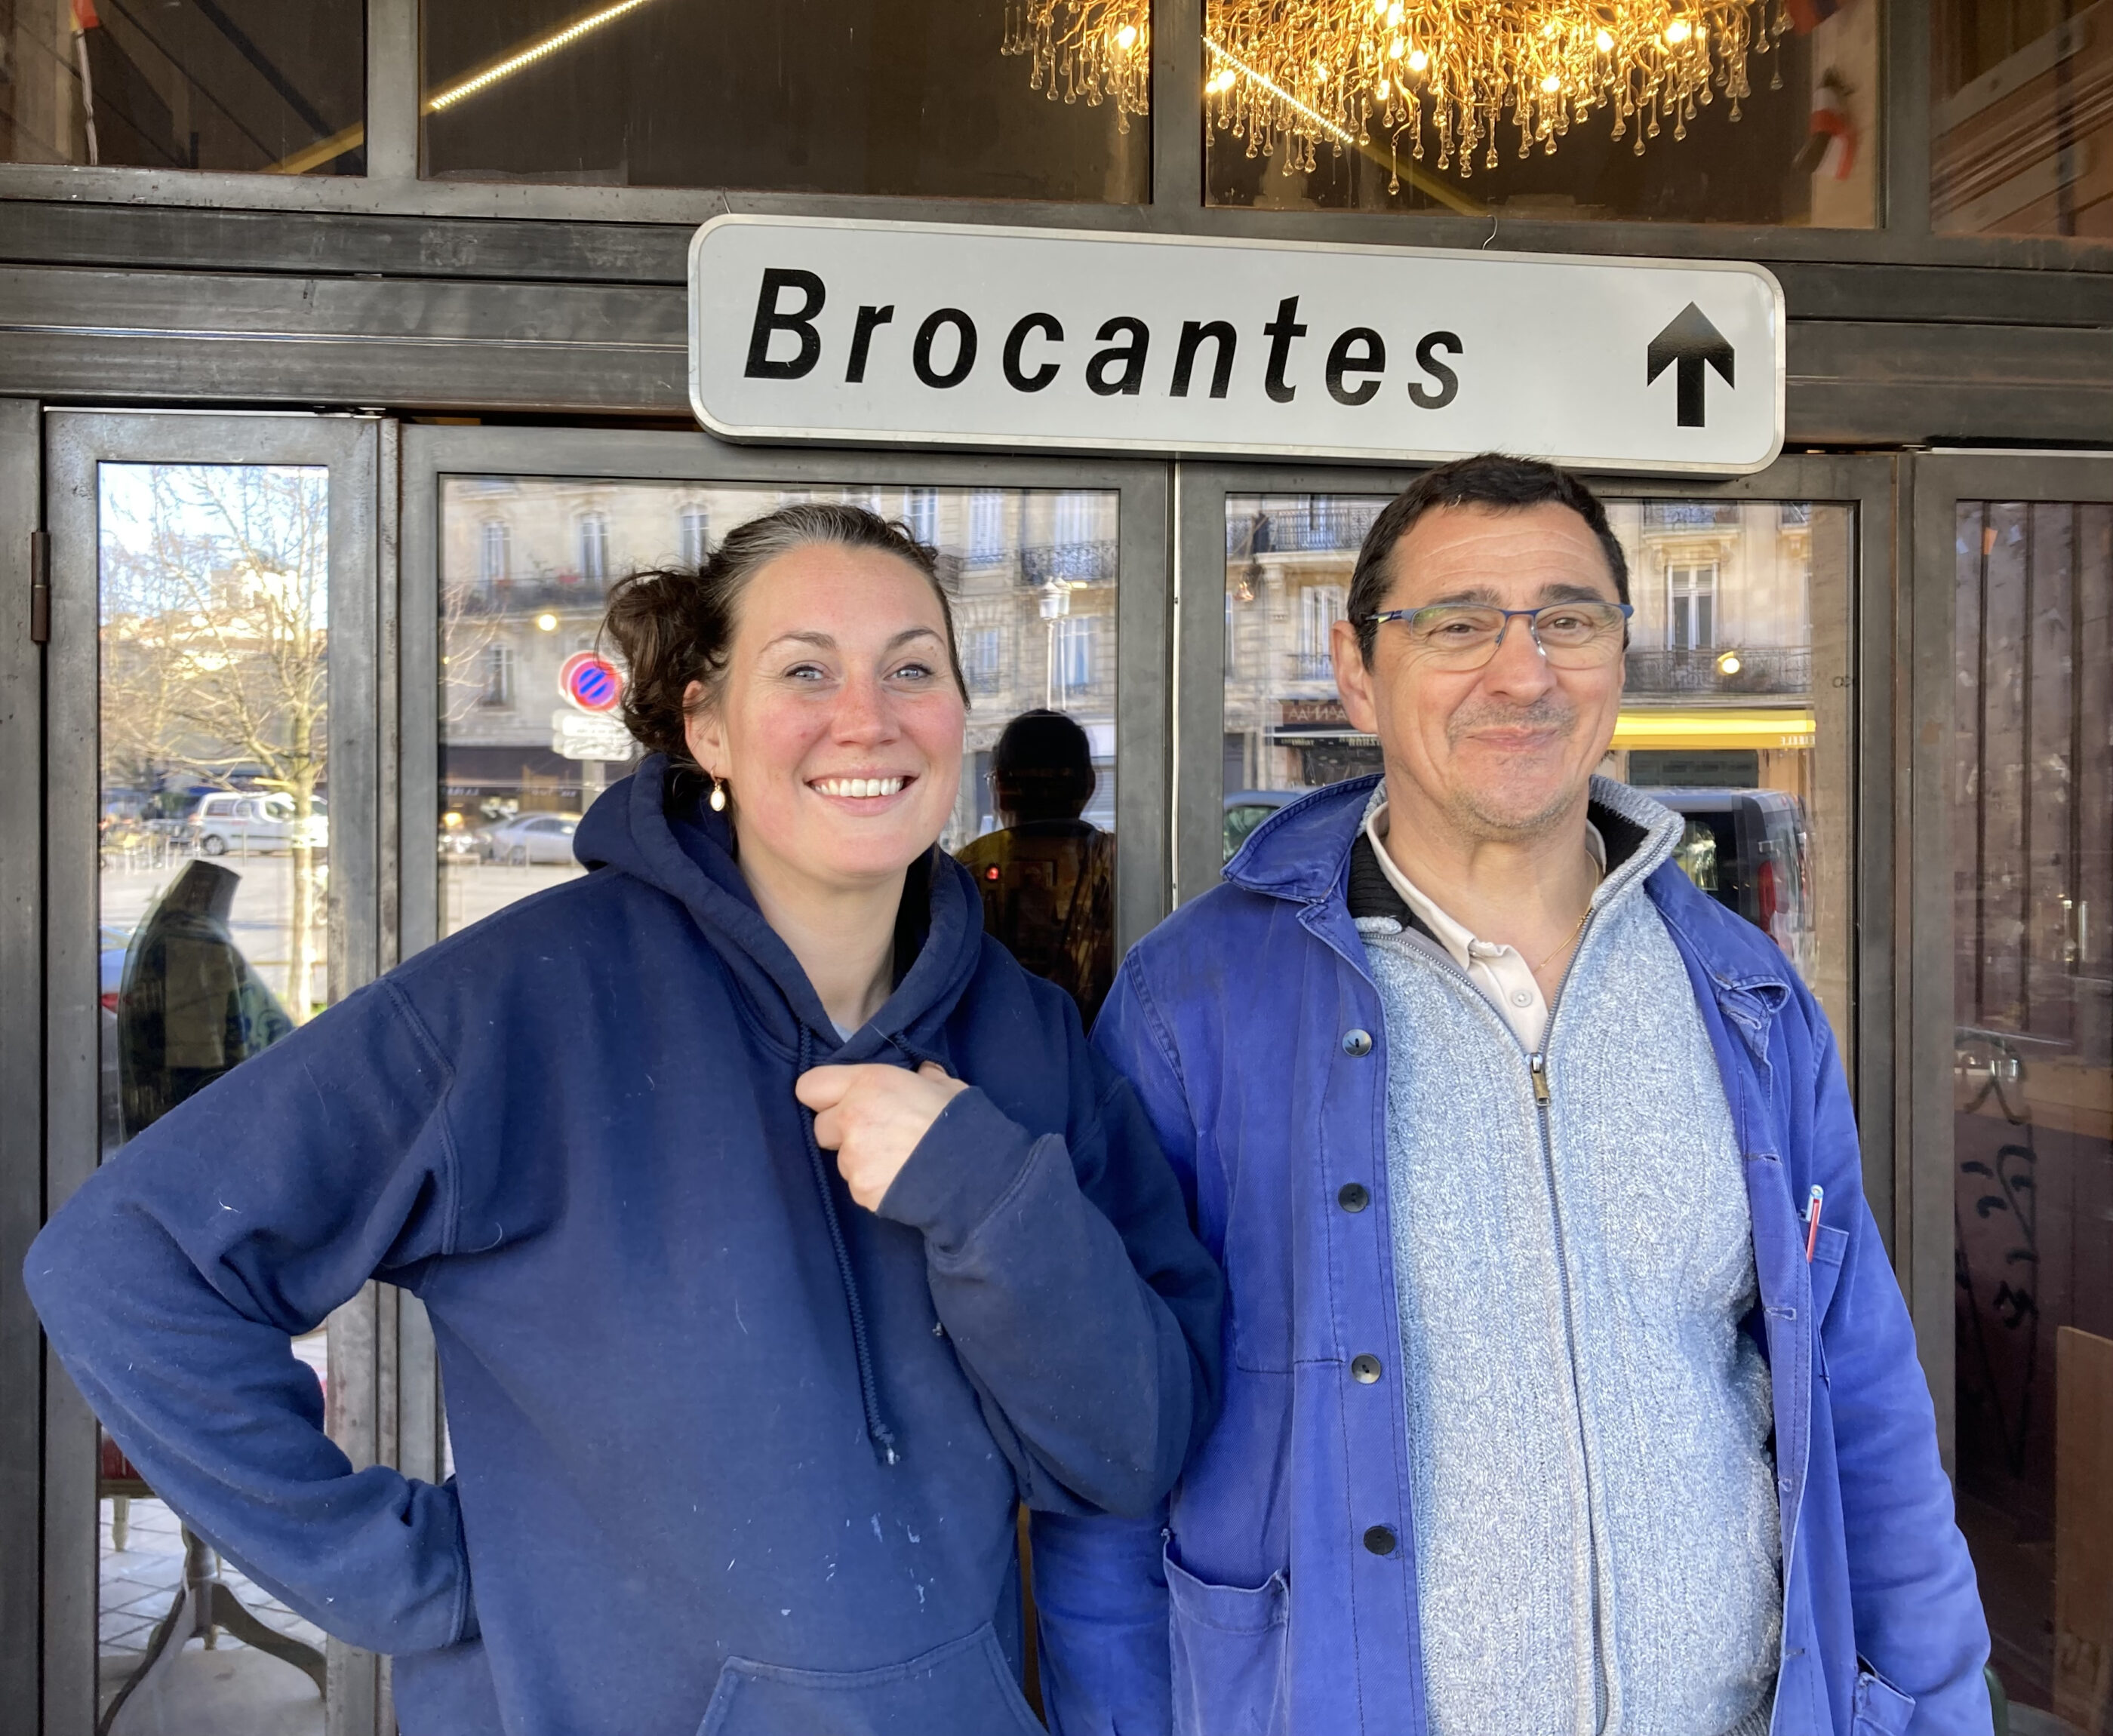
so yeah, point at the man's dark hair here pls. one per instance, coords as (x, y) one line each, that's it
(1490, 479)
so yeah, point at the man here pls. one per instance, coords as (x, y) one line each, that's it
(1047, 875)
(1550, 1410)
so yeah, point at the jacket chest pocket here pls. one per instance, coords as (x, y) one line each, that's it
(961, 1688)
(1829, 1249)
(1230, 1656)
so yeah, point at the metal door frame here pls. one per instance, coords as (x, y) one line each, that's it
(75, 443)
(1929, 623)
(1869, 482)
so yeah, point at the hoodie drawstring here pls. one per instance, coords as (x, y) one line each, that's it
(876, 1426)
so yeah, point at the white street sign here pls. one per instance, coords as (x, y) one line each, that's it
(927, 333)
(577, 735)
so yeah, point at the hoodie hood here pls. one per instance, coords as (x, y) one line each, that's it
(689, 855)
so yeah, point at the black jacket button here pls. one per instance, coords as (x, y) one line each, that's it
(1356, 1042)
(1351, 1197)
(1364, 1369)
(1379, 1540)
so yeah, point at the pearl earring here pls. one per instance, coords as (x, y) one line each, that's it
(718, 795)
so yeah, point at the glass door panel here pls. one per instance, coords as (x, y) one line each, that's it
(212, 880)
(2030, 803)
(526, 563)
(214, 859)
(1735, 711)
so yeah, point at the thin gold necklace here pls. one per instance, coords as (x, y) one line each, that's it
(1570, 939)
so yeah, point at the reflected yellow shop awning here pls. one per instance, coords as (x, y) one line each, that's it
(1781, 726)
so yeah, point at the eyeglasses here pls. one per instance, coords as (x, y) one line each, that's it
(1465, 635)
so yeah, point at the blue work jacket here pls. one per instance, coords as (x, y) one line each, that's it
(1252, 1028)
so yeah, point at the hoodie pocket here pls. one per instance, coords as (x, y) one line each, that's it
(1880, 1708)
(961, 1688)
(1231, 1654)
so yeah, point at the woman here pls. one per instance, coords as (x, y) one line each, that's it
(738, 1429)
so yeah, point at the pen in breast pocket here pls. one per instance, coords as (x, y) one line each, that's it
(1813, 1202)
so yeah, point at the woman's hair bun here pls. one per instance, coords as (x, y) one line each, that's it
(672, 627)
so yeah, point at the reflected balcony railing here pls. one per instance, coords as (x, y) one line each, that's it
(1325, 524)
(1692, 515)
(1072, 563)
(1779, 670)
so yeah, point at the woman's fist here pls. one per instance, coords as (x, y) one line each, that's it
(872, 1117)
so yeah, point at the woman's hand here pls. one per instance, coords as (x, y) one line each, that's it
(872, 1117)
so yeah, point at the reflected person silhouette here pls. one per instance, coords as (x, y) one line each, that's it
(190, 1007)
(1047, 876)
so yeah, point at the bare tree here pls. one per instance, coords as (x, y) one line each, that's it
(216, 637)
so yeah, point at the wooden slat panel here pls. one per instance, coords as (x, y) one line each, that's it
(2083, 1531)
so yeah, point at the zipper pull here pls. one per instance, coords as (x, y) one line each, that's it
(1537, 1065)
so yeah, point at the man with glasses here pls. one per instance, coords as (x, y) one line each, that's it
(1569, 1390)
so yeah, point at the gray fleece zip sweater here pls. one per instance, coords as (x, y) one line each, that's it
(1597, 1540)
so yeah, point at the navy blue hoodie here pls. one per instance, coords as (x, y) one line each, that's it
(677, 1358)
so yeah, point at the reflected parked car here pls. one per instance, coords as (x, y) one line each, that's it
(253, 822)
(1749, 850)
(529, 839)
(1245, 810)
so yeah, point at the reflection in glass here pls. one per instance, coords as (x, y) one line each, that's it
(1734, 716)
(1046, 876)
(214, 864)
(912, 97)
(2032, 847)
(2021, 118)
(1032, 576)
(1798, 146)
(229, 84)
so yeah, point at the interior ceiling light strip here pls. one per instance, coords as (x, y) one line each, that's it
(329, 150)
(451, 95)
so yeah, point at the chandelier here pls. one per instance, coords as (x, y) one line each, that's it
(1446, 76)
(1453, 74)
(1097, 51)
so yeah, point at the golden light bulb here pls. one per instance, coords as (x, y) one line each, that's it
(1417, 60)
(1551, 83)
(1394, 12)
(1384, 88)
(1679, 31)
(1126, 37)
(1396, 49)
(1603, 42)
(1321, 71)
(548, 622)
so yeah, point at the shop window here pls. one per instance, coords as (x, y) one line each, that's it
(1691, 608)
(986, 526)
(982, 657)
(498, 669)
(1320, 607)
(1072, 641)
(185, 85)
(2031, 803)
(920, 512)
(492, 553)
(1750, 741)
(918, 98)
(1764, 115)
(594, 548)
(2021, 118)
(693, 539)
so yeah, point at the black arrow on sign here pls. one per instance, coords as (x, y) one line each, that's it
(1686, 344)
